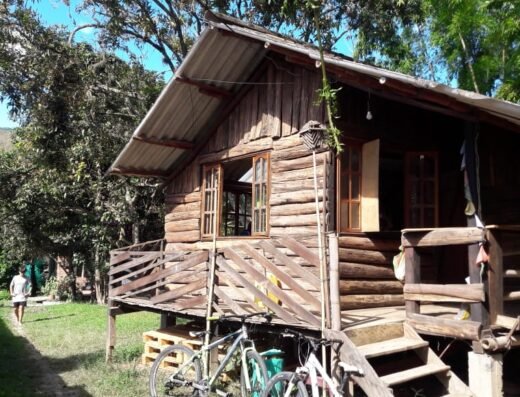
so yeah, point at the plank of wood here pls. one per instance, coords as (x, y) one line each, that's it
(300, 271)
(182, 237)
(294, 185)
(371, 384)
(295, 209)
(135, 262)
(170, 281)
(182, 198)
(170, 258)
(182, 226)
(414, 373)
(412, 276)
(505, 321)
(391, 346)
(301, 250)
(190, 303)
(364, 256)
(360, 271)
(512, 273)
(116, 259)
(235, 307)
(442, 236)
(190, 261)
(512, 296)
(370, 287)
(178, 292)
(466, 292)
(460, 329)
(283, 277)
(286, 299)
(237, 277)
(495, 275)
(304, 196)
(292, 220)
(349, 302)
(178, 215)
(242, 149)
(369, 243)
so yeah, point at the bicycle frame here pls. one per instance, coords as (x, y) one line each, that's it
(240, 337)
(311, 369)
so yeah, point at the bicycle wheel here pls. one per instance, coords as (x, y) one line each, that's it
(257, 375)
(166, 379)
(279, 385)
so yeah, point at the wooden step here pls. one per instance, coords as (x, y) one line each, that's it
(512, 296)
(512, 273)
(391, 346)
(414, 373)
(511, 253)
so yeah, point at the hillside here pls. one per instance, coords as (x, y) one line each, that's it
(5, 138)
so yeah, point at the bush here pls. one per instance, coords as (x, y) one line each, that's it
(61, 289)
(50, 287)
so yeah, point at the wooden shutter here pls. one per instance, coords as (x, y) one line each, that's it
(370, 187)
(261, 193)
(211, 198)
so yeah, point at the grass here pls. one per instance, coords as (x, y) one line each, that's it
(72, 338)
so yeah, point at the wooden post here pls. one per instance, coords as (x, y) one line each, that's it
(495, 276)
(335, 304)
(412, 276)
(485, 374)
(111, 332)
(167, 320)
(479, 311)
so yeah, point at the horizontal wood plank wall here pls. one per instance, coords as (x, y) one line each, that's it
(268, 117)
(366, 271)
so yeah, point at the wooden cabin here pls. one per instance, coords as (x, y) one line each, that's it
(428, 174)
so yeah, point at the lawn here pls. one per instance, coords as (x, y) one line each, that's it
(72, 338)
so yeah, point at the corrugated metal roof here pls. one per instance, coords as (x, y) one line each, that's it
(224, 57)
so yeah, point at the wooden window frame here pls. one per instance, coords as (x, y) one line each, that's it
(359, 147)
(407, 190)
(216, 211)
(205, 167)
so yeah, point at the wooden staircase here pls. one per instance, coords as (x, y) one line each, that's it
(397, 362)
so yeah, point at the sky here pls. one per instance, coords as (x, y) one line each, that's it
(55, 12)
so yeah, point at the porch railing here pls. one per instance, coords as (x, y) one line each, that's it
(414, 241)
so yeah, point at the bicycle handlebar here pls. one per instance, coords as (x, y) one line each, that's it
(314, 342)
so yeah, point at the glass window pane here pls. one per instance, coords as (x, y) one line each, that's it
(257, 196)
(429, 192)
(345, 159)
(355, 160)
(264, 170)
(355, 212)
(415, 193)
(344, 194)
(344, 216)
(429, 217)
(355, 186)
(257, 175)
(428, 166)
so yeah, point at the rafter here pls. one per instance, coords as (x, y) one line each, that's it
(174, 143)
(141, 173)
(206, 89)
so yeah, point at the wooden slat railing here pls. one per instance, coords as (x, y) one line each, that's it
(504, 274)
(416, 292)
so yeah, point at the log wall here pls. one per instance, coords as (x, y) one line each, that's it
(366, 271)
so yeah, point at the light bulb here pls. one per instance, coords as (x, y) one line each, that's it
(369, 115)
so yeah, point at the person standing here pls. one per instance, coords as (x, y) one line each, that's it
(19, 290)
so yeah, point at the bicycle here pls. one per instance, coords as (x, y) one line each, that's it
(177, 369)
(297, 383)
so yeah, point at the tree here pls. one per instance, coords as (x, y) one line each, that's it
(77, 108)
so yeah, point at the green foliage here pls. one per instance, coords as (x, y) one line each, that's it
(50, 287)
(77, 108)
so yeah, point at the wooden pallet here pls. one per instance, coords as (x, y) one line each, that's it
(156, 341)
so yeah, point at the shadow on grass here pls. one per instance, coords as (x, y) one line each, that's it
(25, 372)
(48, 318)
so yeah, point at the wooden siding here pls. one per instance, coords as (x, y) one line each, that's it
(366, 271)
(267, 118)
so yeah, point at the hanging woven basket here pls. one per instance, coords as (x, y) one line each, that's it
(313, 135)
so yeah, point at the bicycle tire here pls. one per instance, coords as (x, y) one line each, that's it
(165, 367)
(278, 384)
(257, 375)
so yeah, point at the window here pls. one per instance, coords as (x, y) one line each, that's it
(421, 189)
(241, 190)
(358, 187)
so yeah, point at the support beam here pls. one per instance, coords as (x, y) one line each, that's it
(485, 374)
(133, 172)
(206, 89)
(167, 320)
(173, 143)
(111, 331)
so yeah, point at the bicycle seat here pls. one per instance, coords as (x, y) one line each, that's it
(198, 334)
(351, 369)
